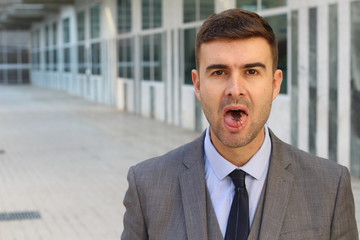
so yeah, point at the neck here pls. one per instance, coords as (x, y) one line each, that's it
(239, 156)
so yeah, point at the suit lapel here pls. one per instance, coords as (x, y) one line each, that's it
(278, 189)
(193, 191)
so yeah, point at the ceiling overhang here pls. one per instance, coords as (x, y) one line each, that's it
(21, 14)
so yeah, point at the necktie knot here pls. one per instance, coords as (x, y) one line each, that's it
(238, 178)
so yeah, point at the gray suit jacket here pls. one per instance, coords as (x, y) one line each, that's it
(304, 197)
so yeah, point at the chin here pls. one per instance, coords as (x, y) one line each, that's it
(234, 140)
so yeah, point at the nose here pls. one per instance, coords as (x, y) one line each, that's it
(235, 87)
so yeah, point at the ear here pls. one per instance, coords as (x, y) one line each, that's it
(196, 82)
(278, 77)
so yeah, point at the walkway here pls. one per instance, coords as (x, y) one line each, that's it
(64, 160)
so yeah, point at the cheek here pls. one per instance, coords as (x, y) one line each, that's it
(210, 98)
(263, 96)
(268, 89)
(210, 93)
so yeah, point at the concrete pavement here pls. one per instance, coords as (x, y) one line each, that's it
(64, 160)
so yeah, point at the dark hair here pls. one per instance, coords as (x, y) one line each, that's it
(237, 24)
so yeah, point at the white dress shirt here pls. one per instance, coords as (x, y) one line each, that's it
(220, 185)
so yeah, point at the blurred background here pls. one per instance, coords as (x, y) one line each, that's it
(136, 56)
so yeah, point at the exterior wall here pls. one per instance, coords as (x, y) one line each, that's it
(14, 57)
(323, 105)
(300, 115)
(100, 88)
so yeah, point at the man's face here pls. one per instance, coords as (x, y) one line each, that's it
(236, 85)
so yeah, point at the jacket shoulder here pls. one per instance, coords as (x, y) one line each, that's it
(172, 160)
(302, 162)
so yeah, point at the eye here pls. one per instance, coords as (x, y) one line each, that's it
(252, 72)
(219, 72)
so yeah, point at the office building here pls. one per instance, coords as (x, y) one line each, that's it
(137, 55)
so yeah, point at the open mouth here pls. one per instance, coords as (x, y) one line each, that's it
(237, 114)
(235, 118)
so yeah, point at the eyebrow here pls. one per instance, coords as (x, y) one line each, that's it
(216, 66)
(256, 64)
(245, 66)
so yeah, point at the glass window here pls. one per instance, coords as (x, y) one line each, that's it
(157, 13)
(312, 79)
(37, 39)
(2, 54)
(95, 21)
(11, 55)
(25, 75)
(196, 10)
(54, 31)
(34, 60)
(54, 50)
(279, 25)
(333, 70)
(207, 8)
(33, 40)
(24, 55)
(67, 59)
(81, 25)
(47, 60)
(152, 57)
(12, 76)
(355, 88)
(81, 59)
(189, 13)
(146, 58)
(47, 50)
(125, 62)
(151, 14)
(145, 14)
(55, 61)
(273, 3)
(189, 54)
(95, 59)
(37, 53)
(47, 36)
(250, 5)
(124, 16)
(66, 30)
(38, 60)
(33, 50)
(158, 57)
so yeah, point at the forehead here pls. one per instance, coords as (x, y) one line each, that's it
(232, 51)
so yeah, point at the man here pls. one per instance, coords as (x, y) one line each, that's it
(193, 193)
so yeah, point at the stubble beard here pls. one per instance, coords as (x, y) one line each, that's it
(236, 140)
(245, 136)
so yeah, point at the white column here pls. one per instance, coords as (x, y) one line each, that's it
(173, 17)
(177, 83)
(322, 124)
(109, 32)
(303, 79)
(344, 88)
(71, 83)
(222, 5)
(136, 21)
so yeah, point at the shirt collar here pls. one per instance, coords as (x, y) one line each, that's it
(255, 167)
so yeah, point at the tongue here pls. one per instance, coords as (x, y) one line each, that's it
(236, 115)
(234, 118)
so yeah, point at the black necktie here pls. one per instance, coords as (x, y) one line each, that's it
(238, 222)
